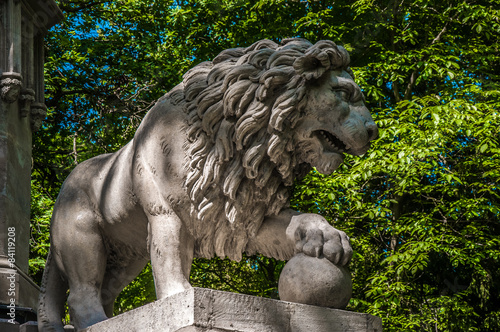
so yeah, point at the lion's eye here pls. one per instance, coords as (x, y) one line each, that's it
(344, 94)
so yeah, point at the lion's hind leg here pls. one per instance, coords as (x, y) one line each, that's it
(52, 298)
(87, 273)
(81, 251)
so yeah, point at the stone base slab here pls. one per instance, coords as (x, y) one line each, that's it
(25, 290)
(207, 310)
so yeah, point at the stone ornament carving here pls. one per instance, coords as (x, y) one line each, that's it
(37, 115)
(209, 172)
(11, 91)
(10, 86)
(26, 98)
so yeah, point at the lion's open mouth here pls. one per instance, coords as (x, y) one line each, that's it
(331, 142)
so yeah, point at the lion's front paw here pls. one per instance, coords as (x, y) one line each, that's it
(314, 236)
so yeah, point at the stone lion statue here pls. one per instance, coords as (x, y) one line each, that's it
(207, 173)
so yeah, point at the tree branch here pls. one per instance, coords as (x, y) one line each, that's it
(411, 84)
(66, 5)
(394, 48)
(414, 74)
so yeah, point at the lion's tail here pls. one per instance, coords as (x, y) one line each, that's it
(52, 298)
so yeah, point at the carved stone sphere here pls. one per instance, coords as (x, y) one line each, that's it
(315, 281)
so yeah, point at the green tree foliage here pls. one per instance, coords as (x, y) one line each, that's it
(421, 207)
(41, 212)
(254, 275)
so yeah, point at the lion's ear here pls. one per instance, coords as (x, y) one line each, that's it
(314, 63)
(324, 55)
(309, 67)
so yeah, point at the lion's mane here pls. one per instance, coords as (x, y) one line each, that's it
(242, 108)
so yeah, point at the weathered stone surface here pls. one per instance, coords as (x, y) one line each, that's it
(6, 326)
(315, 281)
(38, 114)
(10, 86)
(26, 291)
(209, 172)
(15, 182)
(23, 24)
(30, 326)
(207, 310)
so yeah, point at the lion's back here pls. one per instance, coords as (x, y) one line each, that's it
(87, 177)
(98, 183)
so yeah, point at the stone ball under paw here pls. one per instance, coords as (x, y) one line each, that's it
(315, 281)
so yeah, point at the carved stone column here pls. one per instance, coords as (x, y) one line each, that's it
(23, 25)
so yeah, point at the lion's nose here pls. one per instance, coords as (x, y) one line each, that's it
(372, 130)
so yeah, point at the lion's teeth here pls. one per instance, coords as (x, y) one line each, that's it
(329, 139)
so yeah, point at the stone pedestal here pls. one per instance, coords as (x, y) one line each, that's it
(23, 25)
(206, 310)
(15, 182)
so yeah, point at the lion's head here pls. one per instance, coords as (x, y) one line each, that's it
(257, 118)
